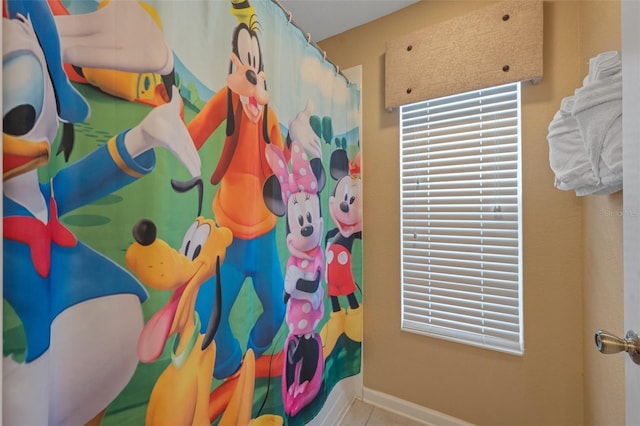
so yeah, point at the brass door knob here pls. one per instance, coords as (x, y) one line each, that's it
(609, 343)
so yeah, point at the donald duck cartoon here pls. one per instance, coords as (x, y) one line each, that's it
(80, 312)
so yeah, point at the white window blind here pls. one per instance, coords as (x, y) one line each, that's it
(461, 218)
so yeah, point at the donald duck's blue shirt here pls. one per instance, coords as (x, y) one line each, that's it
(76, 273)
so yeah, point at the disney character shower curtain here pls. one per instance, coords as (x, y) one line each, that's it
(182, 215)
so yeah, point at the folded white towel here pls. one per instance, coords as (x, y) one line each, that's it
(598, 111)
(604, 65)
(585, 135)
(567, 155)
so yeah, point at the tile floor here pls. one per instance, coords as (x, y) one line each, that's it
(363, 414)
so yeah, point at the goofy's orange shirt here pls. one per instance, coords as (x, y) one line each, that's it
(242, 168)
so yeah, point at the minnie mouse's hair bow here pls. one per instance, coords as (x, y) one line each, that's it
(301, 178)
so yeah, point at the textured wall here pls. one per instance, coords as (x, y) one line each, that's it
(602, 230)
(567, 242)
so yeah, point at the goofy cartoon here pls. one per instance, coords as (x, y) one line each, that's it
(238, 203)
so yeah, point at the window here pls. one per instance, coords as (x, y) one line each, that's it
(461, 218)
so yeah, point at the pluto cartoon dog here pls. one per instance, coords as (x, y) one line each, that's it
(181, 394)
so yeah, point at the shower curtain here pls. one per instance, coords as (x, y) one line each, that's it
(182, 215)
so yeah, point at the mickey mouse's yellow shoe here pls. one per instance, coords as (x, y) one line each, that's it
(331, 331)
(267, 420)
(353, 324)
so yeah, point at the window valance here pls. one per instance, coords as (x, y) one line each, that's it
(499, 44)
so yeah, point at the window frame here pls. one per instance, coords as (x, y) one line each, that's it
(419, 301)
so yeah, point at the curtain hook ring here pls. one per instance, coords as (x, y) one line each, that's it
(290, 16)
(308, 38)
(337, 70)
(324, 56)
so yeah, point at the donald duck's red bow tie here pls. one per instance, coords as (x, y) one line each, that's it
(38, 236)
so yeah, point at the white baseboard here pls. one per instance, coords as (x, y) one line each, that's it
(338, 402)
(410, 410)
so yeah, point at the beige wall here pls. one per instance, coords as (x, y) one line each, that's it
(602, 231)
(549, 384)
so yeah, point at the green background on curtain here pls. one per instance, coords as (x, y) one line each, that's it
(122, 96)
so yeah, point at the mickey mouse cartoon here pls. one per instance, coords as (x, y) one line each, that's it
(345, 208)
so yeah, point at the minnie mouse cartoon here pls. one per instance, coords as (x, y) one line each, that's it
(345, 208)
(295, 195)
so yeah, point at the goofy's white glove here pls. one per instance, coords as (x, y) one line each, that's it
(301, 131)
